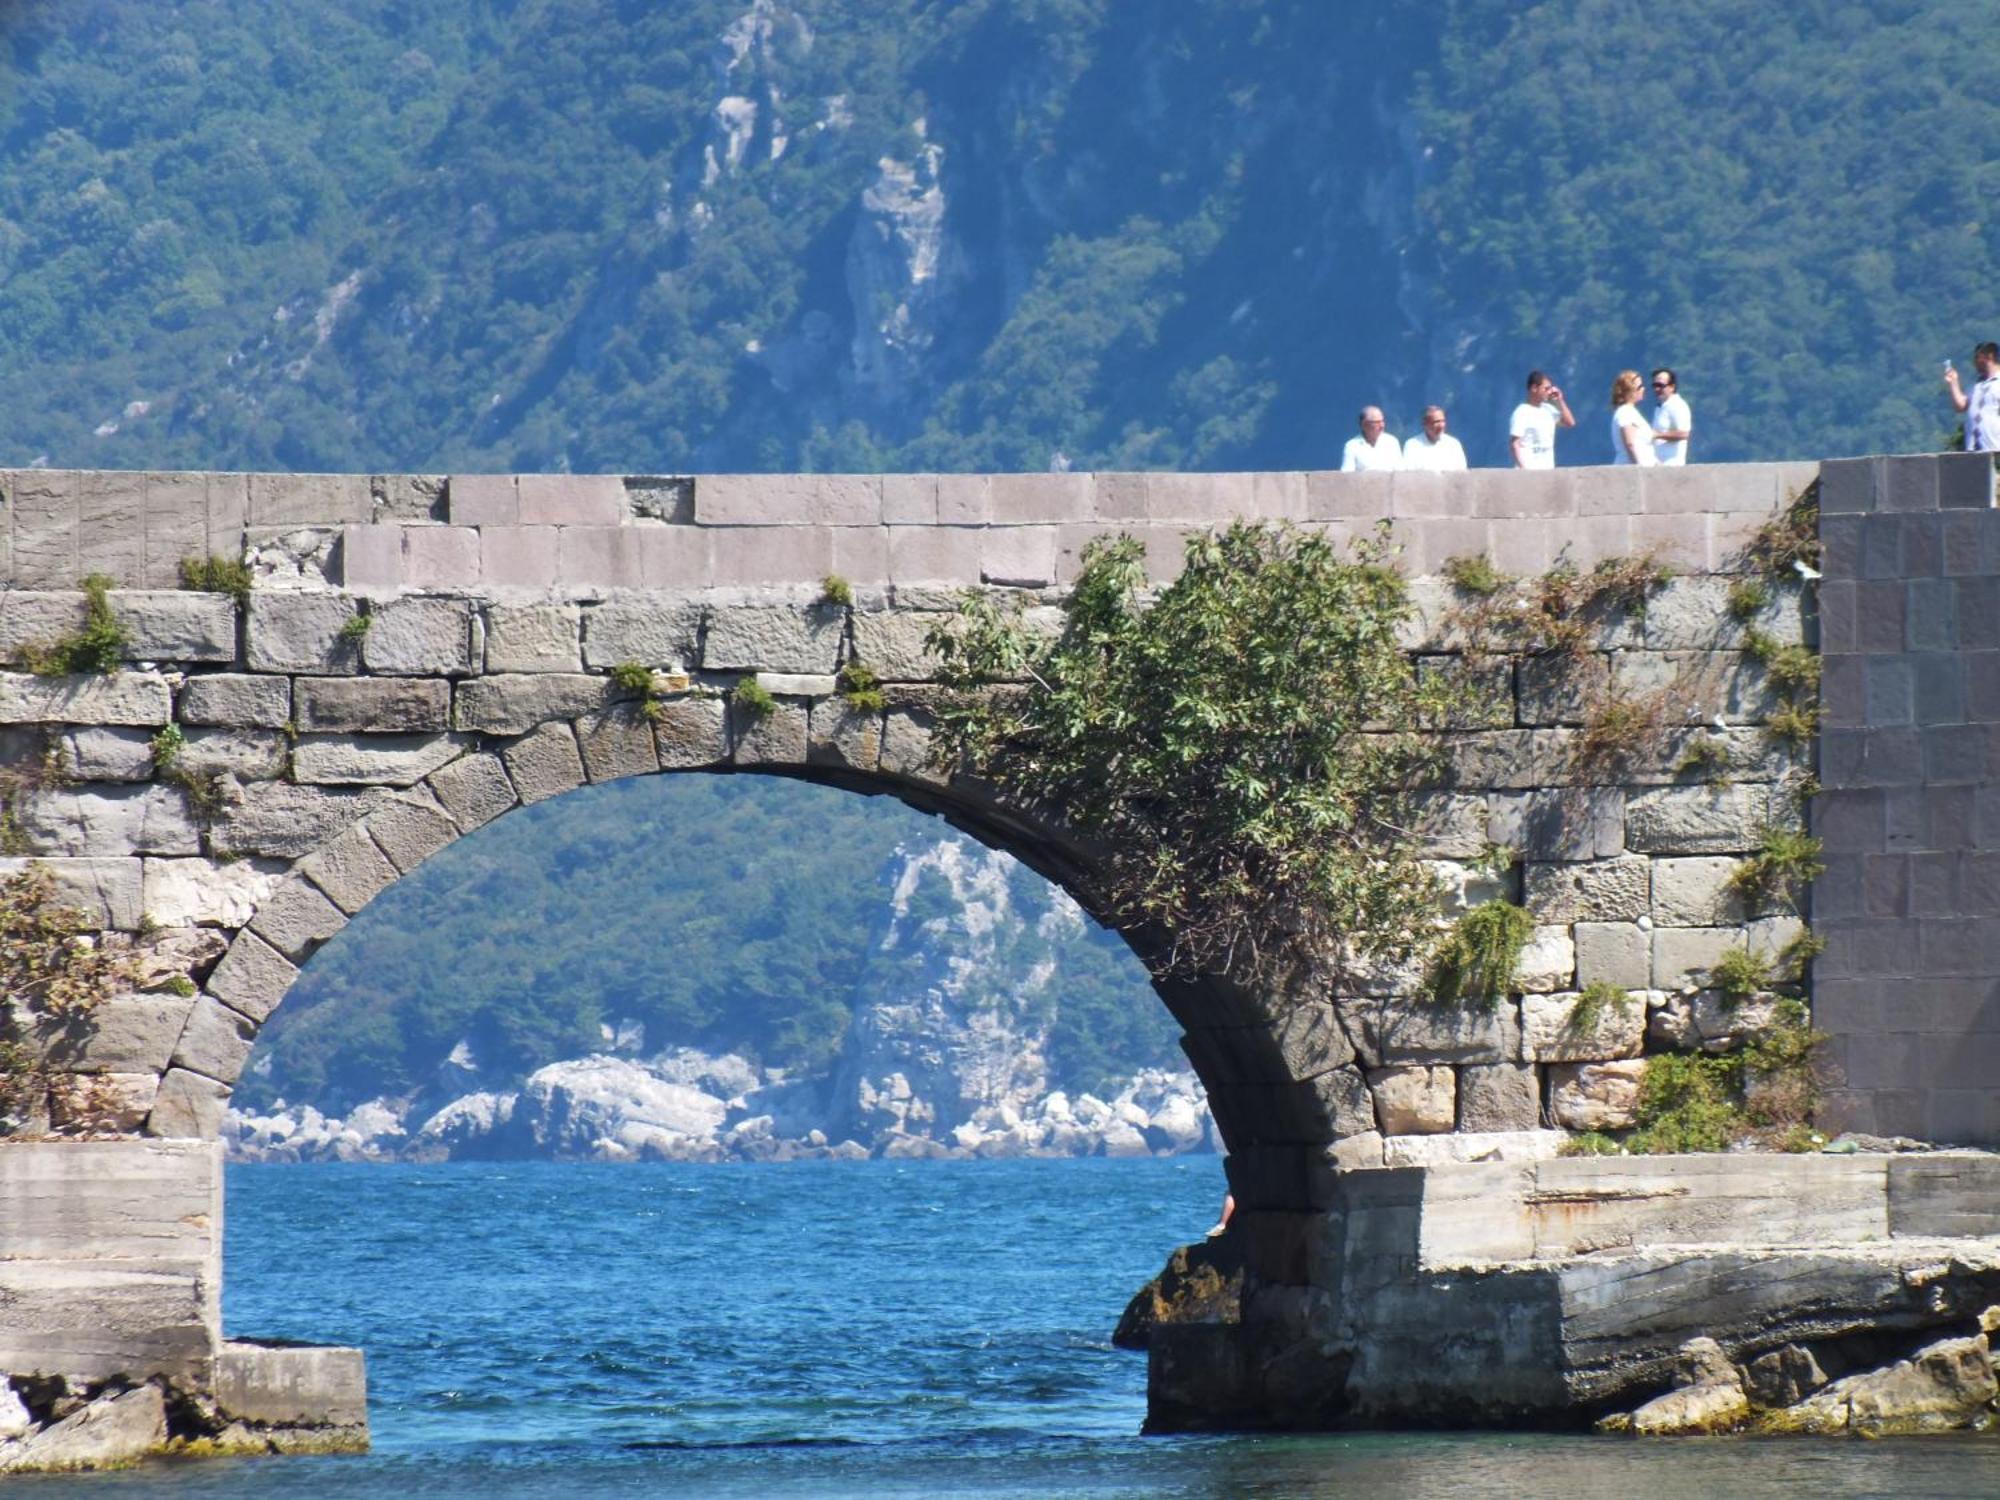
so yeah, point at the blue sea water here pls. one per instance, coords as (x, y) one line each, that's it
(861, 1329)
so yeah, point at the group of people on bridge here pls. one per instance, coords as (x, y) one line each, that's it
(1659, 439)
(1531, 431)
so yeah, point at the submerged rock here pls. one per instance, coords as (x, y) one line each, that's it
(111, 1432)
(1201, 1283)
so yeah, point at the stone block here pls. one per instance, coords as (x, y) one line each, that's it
(373, 705)
(351, 870)
(778, 738)
(300, 632)
(909, 499)
(104, 821)
(410, 829)
(1696, 686)
(617, 742)
(252, 977)
(1616, 953)
(203, 893)
(1414, 1100)
(1595, 1095)
(1395, 1030)
(788, 499)
(441, 557)
(107, 754)
(234, 701)
(1603, 890)
(1683, 956)
(283, 821)
(1022, 499)
(176, 525)
(34, 619)
(1018, 556)
(906, 745)
(216, 1041)
(245, 754)
(516, 703)
(797, 684)
(598, 557)
(891, 643)
(291, 1385)
(965, 500)
(571, 499)
(124, 698)
(656, 634)
(754, 638)
(674, 557)
(837, 735)
(474, 789)
(1696, 892)
(543, 763)
(309, 499)
(126, 1034)
(861, 555)
(1504, 1096)
(1547, 962)
(109, 892)
(371, 560)
(689, 732)
(296, 918)
(1510, 759)
(943, 554)
(1310, 1040)
(372, 759)
(760, 558)
(1450, 825)
(176, 626)
(1696, 819)
(516, 557)
(420, 638)
(44, 508)
(534, 638)
(1552, 1029)
(483, 500)
(111, 525)
(1560, 822)
(188, 1107)
(1560, 689)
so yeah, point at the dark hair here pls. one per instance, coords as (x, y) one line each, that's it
(1672, 379)
(1535, 378)
(1990, 349)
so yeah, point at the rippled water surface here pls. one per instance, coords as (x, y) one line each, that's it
(829, 1329)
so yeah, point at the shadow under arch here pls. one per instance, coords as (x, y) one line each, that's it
(1263, 1059)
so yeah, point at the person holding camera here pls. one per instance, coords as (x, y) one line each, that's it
(1531, 431)
(1981, 404)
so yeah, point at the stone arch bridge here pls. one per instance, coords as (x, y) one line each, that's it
(415, 656)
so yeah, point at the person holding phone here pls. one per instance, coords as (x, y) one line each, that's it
(1531, 431)
(1981, 405)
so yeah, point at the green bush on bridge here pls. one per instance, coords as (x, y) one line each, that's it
(1238, 748)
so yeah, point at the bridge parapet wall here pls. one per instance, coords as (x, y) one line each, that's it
(578, 536)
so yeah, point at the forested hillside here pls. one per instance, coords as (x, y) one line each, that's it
(732, 914)
(744, 234)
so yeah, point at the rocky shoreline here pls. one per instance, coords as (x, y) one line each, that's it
(685, 1106)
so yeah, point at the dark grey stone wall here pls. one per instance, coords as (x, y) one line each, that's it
(1909, 985)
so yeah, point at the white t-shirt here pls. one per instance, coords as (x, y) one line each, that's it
(1384, 457)
(1535, 426)
(1982, 417)
(1622, 418)
(1446, 453)
(1672, 415)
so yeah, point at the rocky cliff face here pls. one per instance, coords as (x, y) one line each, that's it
(947, 1055)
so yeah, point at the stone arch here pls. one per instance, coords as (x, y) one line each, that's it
(1257, 1057)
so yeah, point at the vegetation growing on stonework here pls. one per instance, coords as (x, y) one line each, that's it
(354, 629)
(1705, 755)
(837, 591)
(1477, 958)
(861, 689)
(217, 575)
(1598, 997)
(1240, 746)
(753, 700)
(52, 968)
(1785, 862)
(1475, 575)
(1762, 1094)
(95, 647)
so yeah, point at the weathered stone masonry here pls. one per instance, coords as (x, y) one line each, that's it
(344, 754)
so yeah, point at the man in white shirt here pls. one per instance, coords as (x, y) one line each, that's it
(1434, 449)
(1673, 423)
(1981, 405)
(1375, 451)
(1531, 431)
